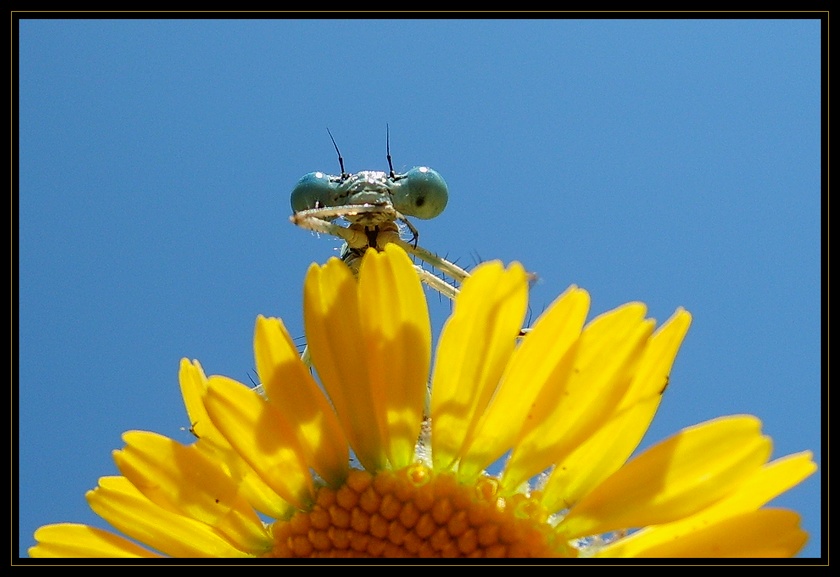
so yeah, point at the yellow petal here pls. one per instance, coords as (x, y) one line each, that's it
(542, 360)
(769, 482)
(291, 389)
(608, 352)
(596, 459)
(262, 436)
(609, 447)
(766, 533)
(193, 385)
(123, 506)
(214, 445)
(765, 484)
(185, 481)
(475, 345)
(251, 486)
(333, 331)
(395, 327)
(65, 540)
(652, 374)
(673, 479)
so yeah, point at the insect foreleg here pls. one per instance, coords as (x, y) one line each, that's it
(414, 234)
(352, 236)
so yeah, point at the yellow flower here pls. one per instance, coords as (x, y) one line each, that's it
(365, 462)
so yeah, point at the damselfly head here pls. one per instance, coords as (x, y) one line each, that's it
(421, 192)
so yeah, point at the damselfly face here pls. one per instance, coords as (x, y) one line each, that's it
(421, 192)
(375, 204)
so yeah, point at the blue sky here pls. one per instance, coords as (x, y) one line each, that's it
(674, 162)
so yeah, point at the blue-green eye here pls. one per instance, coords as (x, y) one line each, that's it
(314, 190)
(420, 192)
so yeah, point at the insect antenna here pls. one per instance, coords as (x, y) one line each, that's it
(344, 175)
(388, 150)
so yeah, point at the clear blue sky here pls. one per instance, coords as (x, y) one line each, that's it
(675, 162)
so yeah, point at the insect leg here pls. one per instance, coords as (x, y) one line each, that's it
(414, 234)
(449, 268)
(437, 283)
(353, 237)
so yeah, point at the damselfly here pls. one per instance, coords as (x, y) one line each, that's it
(375, 205)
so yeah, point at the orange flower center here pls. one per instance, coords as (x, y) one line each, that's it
(415, 512)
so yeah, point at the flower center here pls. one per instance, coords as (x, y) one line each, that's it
(415, 512)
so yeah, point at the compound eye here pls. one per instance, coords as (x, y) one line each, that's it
(312, 191)
(421, 192)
